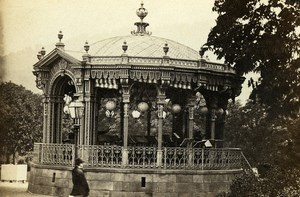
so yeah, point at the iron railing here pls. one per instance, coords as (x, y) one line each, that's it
(110, 156)
(101, 155)
(142, 157)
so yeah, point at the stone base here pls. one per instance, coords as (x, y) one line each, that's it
(55, 181)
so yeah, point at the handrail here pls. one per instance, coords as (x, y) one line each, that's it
(246, 160)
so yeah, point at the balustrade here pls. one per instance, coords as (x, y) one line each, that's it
(175, 158)
(101, 155)
(110, 156)
(141, 157)
(55, 154)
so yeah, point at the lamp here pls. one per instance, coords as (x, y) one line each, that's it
(143, 106)
(136, 114)
(176, 108)
(203, 110)
(220, 111)
(164, 115)
(110, 106)
(76, 109)
(109, 114)
(76, 112)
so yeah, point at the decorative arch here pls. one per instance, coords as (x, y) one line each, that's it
(59, 78)
(61, 82)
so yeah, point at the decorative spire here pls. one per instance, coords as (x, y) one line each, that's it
(202, 50)
(60, 45)
(43, 51)
(166, 49)
(142, 12)
(60, 35)
(39, 55)
(141, 26)
(86, 47)
(124, 46)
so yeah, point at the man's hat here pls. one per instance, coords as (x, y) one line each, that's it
(78, 161)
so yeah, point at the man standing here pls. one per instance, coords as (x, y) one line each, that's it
(80, 185)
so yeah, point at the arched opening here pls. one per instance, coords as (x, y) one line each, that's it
(60, 122)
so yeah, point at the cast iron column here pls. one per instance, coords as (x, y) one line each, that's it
(160, 105)
(126, 98)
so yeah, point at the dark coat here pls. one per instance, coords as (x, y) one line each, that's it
(80, 185)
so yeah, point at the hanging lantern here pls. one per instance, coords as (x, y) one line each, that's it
(226, 112)
(176, 108)
(220, 111)
(76, 109)
(143, 106)
(110, 105)
(203, 110)
(164, 115)
(109, 114)
(136, 114)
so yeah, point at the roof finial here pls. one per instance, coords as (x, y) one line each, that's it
(141, 26)
(43, 51)
(142, 12)
(124, 46)
(60, 35)
(166, 49)
(86, 47)
(60, 45)
(39, 55)
(202, 50)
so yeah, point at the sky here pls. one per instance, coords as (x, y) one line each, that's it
(31, 24)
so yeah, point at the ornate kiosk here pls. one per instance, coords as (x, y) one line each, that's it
(145, 113)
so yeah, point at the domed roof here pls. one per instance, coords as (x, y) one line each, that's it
(142, 46)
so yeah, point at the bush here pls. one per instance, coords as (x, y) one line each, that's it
(276, 182)
(21, 161)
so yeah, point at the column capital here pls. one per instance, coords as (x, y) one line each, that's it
(191, 101)
(125, 98)
(161, 99)
(191, 112)
(160, 109)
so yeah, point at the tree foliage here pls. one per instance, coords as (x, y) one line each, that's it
(278, 182)
(262, 36)
(275, 141)
(270, 144)
(21, 120)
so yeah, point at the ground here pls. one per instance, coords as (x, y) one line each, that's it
(16, 189)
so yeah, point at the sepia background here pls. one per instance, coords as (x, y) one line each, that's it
(27, 26)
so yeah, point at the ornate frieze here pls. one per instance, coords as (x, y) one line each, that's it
(183, 80)
(42, 78)
(144, 61)
(106, 60)
(61, 67)
(184, 63)
(158, 62)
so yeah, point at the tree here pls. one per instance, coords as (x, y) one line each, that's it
(272, 145)
(261, 36)
(263, 139)
(21, 120)
(278, 182)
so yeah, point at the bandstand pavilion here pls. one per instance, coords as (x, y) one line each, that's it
(152, 114)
